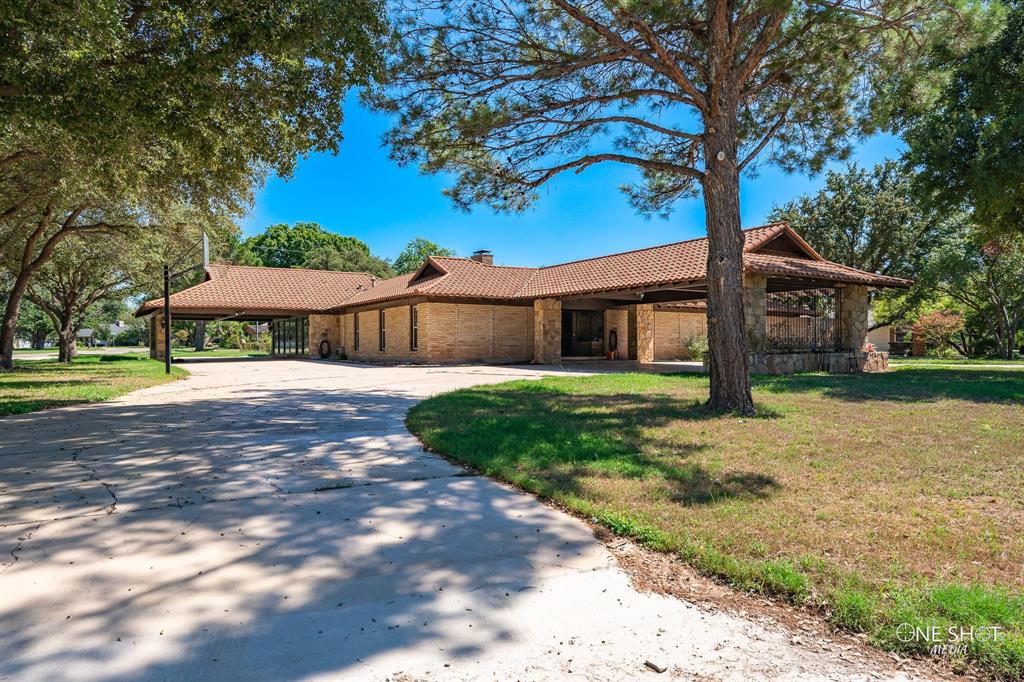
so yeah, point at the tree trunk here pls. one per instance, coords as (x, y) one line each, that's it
(10, 319)
(39, 339)
(67, 345)
(727, 339)
(200, 336)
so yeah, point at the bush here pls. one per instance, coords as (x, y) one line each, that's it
(697, 347)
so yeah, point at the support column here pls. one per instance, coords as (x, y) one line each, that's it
(853, 317)
(641, 332)
(156, 336)
(617, 320)
(755, 311)
(547, 331)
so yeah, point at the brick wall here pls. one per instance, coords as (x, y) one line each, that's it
(673, 329)
(448, 332)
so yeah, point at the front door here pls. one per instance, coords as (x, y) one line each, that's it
(582, 333)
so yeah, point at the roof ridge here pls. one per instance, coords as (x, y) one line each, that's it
(274, 267)
(487, 265)
(656, 246)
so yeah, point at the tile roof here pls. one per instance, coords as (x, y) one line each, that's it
(246, 288)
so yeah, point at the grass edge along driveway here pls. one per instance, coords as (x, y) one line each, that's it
(40, 384)
(878, 500)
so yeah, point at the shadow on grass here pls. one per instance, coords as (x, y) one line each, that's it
(910, 384)
(549, 442)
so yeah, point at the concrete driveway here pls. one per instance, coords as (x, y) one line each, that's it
(274, 520)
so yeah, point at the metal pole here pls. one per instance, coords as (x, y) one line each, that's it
(167, 318)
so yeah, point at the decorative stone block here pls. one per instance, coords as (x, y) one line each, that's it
(641, 332)
(547, 331)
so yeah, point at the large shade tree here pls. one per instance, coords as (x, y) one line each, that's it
(128, 107)
(874, 220)
(290, 246)
(967, 145)
(415, 252)
(510, 94)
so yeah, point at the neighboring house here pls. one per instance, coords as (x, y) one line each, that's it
(802, 311)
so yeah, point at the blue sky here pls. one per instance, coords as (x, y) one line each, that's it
(361, 192)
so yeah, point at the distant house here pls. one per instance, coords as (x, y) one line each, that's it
(802, 312)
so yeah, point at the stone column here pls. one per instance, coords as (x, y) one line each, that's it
(755, 311)
(641, 332)
(156, 336)
(547, 331)
(853, 317)
(617, 320)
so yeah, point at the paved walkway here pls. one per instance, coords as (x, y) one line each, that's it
(274, 520)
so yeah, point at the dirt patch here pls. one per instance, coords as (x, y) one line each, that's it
(661, 573)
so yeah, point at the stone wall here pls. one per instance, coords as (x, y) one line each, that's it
(853, 317)
(837, 362)
(755, 308)
(672, 330)
(617, 319)
(547, 331)
(447, 333)
(641, 332)
(324, 327)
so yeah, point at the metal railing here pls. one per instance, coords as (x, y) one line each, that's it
(806, 320)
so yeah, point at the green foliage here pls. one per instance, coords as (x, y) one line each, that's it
(290, 246)
(869, 219)
(967, 146)
(632, 83)
(162, 114)
(349, 259)
(697, 346)
(985, 278)
(415, 252)
(33, 325)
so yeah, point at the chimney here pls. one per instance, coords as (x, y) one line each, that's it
(483, 256)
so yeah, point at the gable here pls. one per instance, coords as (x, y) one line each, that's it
(787, 244)
(428, 270)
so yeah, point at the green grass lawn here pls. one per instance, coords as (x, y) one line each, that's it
(37, 384)
(951, 361)
(878, 499)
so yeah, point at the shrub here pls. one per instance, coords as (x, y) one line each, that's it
(697, 347)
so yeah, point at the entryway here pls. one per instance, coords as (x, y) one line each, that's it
(582, 333)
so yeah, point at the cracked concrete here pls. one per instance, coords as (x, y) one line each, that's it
(274, 520)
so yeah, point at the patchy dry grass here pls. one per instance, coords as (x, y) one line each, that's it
(37, 384)
(885, 498)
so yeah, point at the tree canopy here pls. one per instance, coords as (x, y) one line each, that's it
(869, 219)
(415, 252)
(290, 246)
(967, 146)
(112, 113)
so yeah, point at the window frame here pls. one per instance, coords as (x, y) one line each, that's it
(355, 332)
(414, 328)
(382, 331)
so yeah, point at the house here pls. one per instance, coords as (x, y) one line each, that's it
(802, 312)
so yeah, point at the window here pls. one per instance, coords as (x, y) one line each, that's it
(414, 328)
(355, 332)
(383, 331)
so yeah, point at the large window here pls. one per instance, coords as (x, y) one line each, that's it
(414, 328)
(355, 332)
(383, 331)
(289, 336)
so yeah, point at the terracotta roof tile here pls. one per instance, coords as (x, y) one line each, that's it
(245, 288)
(240, 287)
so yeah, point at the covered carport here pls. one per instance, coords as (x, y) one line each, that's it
(284, 298)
